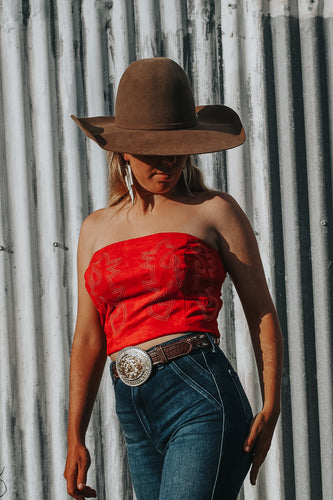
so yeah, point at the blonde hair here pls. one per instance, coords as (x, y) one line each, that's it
(118, 189)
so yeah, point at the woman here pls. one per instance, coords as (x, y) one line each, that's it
(150, 270)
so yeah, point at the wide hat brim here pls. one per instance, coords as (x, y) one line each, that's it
(217, 128)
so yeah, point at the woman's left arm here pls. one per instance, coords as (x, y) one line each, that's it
(240, 254)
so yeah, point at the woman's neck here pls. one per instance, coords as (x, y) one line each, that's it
(146, 202)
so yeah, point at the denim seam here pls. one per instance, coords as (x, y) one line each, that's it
(222, 431)
(236, 382)
(187, 379)
(142, 422)
(211, 341)
(197, 364)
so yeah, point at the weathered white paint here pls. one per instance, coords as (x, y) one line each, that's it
(23, 404)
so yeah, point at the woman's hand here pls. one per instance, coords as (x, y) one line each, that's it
(258, 441)
(77, 465)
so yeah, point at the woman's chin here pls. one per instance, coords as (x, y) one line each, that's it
(161, 188)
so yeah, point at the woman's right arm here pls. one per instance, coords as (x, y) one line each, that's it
(88, 359)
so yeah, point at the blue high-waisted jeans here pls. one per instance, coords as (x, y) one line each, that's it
(185, 429)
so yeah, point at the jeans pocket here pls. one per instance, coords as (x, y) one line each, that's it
(198, 361)
(242, 396)
(195, 376)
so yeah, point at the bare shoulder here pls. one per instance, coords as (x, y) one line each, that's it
(232, 227)
(238, 248)
(94, 223)
(220, 200)
(91, 228)
(221, 209)
(96, 218)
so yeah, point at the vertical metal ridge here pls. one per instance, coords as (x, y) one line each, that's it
(319, 165)
(51, 344)
(147, 28)
(173, 18)
(243, 38)
(25, 405)
(202, 71)
(294, 263)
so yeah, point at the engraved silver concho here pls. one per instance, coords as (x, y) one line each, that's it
(134, 366)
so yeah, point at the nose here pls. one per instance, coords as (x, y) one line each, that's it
(169, 160)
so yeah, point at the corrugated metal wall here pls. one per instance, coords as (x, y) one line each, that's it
(269, 59)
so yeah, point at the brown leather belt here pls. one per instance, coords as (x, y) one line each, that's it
(173, 350)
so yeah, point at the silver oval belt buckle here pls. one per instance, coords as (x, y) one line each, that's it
(134, 366)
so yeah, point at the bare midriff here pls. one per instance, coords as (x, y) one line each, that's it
(151, 343)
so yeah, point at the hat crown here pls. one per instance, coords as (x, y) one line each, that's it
(155, 94)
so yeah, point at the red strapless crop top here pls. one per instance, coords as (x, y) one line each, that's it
(155, 285)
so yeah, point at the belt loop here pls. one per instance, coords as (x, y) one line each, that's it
(160, 349)
(211, 341)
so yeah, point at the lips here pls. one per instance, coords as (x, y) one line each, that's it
(163, 176)
(163, 173)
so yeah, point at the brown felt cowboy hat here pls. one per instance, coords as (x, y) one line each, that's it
(156, 115)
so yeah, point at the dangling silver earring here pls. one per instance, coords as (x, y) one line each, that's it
(185, 177)
(129, 181)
